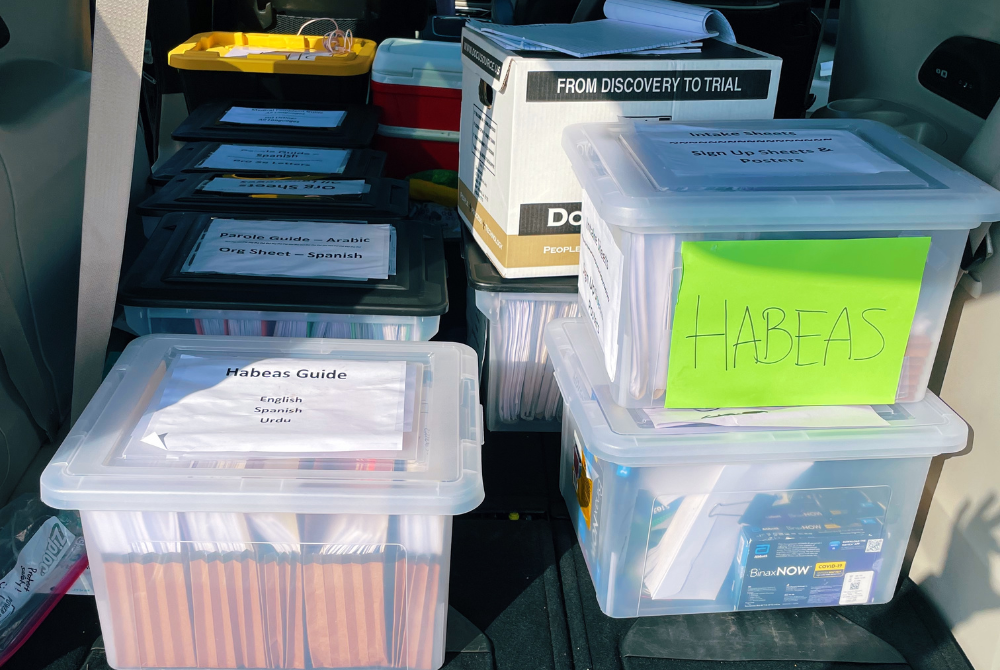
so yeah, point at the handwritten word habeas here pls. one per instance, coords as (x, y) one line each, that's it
(731, 336)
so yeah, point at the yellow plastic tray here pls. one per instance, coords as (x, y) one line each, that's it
(205, 51)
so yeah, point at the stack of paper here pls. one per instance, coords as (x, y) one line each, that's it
(656, 26)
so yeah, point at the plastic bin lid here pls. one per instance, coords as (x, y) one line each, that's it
(629, 437)
(410, 62)
(803, 174)
(113, 459)
(483, 276)
(270, 53)
(290, 123)
(271, 160)
(385, 199)
(156, 279)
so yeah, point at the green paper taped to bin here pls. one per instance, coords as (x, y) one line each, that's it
(765, 323)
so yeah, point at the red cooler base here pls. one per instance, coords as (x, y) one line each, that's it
(406, 156)
(418, 106)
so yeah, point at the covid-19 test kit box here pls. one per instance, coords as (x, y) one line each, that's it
(517, 191)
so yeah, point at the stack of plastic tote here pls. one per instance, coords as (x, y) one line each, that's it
(506, 319)
(797, 273)
(240, 276)
(260, 503)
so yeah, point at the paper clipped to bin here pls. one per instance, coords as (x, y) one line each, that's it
(281, 405)
(773, 323)
(306, 249)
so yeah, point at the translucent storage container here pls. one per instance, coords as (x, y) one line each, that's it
(217, 544)
(270, 66)
(160, 295)
(507, 319)
(300, 124)
(705, 518)
(652, 188)
(270, 160)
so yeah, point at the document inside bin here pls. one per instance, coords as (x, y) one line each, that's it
(143, 447)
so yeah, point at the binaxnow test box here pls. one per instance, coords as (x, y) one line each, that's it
(516, 189)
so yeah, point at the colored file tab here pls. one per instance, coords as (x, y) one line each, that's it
(763, 323)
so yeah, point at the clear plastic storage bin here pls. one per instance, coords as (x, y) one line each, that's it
(706, 518)
(652, 187)
(507, 319)
(220, 543)
(159, 295)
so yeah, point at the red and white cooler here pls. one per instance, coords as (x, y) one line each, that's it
(418, 85)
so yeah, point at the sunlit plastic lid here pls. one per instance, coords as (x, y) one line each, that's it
(418, 63)
(800, 175)
(233, 424)
(630, 436)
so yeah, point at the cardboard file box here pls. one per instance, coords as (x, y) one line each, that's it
(517, 191)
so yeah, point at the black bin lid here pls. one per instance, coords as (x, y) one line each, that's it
(361, 164)
(484, 277)
(205, 125)
(387, 199)
(417, 289)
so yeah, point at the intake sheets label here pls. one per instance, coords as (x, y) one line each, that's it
(277, 159)
(307, 249)
(285, 405)
(692, 151)
(303, 118)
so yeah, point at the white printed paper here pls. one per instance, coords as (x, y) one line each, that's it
(267, 116)
(847, 416)
(310, 249)
(857, 586)
(670, 151)
(303, 187)
(286, 405)
(600, 282)
(277, 159)
(50, 543)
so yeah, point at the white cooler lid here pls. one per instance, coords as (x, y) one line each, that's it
(771, 175)
(628, 437)
(121, 454)
(418, 63)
